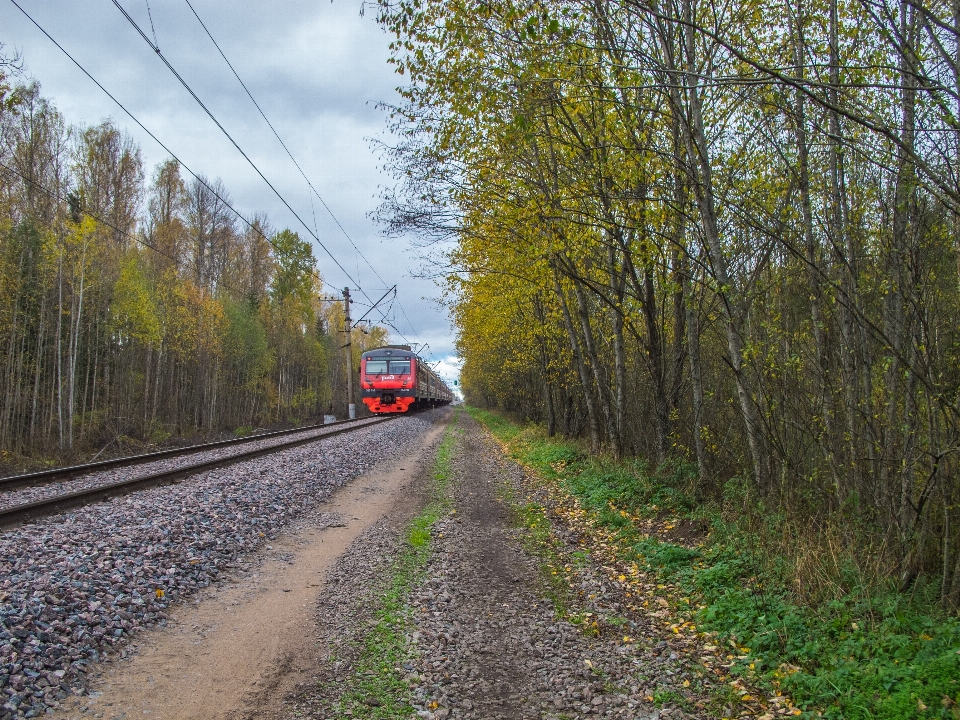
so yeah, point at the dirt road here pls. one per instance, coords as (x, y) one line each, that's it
(237, 651)
(467, 628)
(483, 636)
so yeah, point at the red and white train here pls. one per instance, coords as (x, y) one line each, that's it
(394, 380)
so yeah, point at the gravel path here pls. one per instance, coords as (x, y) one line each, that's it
(9, 498)
(484, 642)
(490, 644)
(76, 586)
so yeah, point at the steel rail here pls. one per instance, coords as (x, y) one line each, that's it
(14, 482)
(48, 506)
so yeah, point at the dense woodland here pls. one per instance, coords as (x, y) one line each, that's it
(719, 235)
(136, 304)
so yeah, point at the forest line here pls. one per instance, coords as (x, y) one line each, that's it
(720, 236)
(133, 309)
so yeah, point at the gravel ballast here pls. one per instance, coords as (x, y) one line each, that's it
(75, 587)
(24, 495)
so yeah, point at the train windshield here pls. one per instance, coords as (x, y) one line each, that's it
(377, 366)
(399, 367)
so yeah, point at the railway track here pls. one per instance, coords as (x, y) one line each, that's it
(22, 512)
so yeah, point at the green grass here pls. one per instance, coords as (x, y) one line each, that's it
(871, 653)
(377, 689)
(670, 697)
(539, 542)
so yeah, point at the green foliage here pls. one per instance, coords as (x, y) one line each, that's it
(142, 319)
(384, 647)
(499, 425)
(157, 433)
(248, 349)
(23, 265)
(293, 280)
(669, 697)
(872, 653)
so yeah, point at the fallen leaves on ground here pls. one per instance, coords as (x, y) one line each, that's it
(660, 606)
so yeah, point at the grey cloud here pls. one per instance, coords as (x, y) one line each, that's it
(317, 68)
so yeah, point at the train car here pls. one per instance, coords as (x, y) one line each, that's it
(393, 379)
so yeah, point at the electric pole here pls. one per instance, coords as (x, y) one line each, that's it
(351, 408)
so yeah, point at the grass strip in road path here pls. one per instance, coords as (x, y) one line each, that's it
(867, 654)
(377, 689)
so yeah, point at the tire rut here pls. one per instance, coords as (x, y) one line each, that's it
(489, 643)
(488, 576)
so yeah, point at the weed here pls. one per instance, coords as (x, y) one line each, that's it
(539, 542)
(669, 697)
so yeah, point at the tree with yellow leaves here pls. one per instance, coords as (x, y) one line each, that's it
(740, 221)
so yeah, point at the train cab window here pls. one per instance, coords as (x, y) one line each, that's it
(376, 366)
(399, 367)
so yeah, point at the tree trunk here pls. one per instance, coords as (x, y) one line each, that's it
(540, 315)
(578, 360)
(617, 283)
(596, 365)
(702, 180)
(661, 413)
(823, 391)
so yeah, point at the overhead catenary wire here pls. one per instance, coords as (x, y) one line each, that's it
(252, 226)
(372, 307)
(337, 298)
(294, 161)
(152, 28)
(229, 137)
(280, 140)
(143, 127)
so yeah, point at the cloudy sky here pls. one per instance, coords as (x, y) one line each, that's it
(318, 70)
